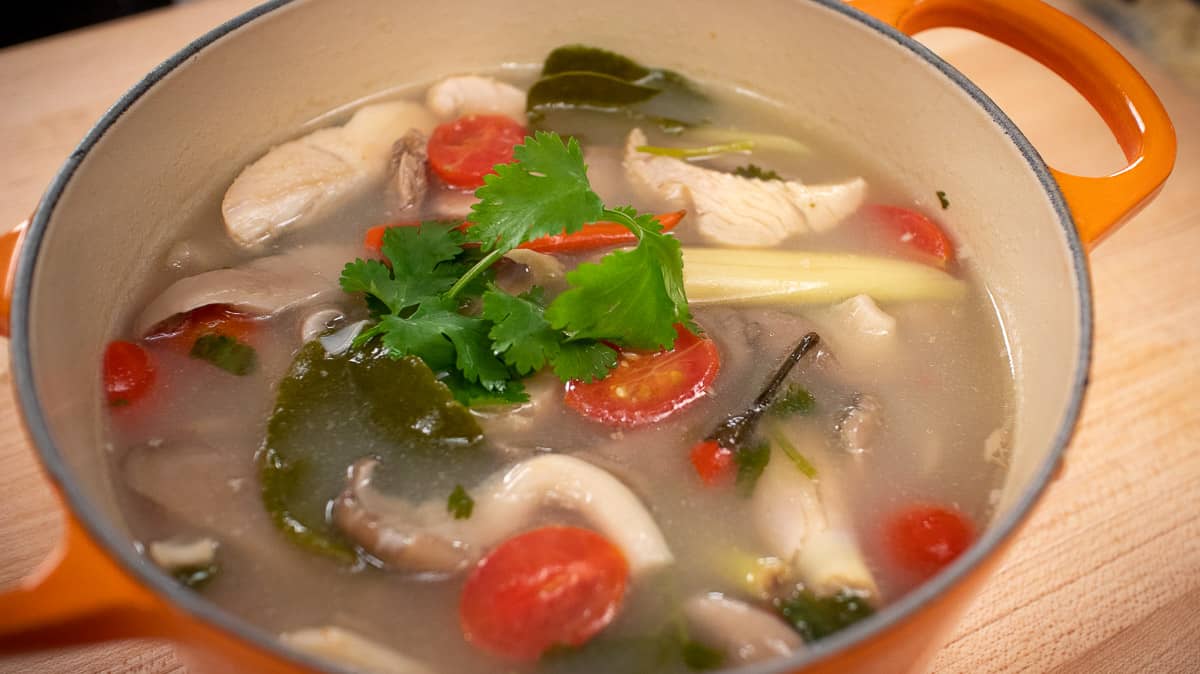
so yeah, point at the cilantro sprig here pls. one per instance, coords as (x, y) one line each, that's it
(629, 298)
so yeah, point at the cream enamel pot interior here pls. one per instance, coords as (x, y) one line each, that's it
(176, 140)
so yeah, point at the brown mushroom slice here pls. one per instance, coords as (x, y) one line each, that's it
(461, 95)
(352, 651)
(409, 162)
(298, 182)
(803, 521)
(736, 211)
(424, 538)
(264, 286)
(744, 633)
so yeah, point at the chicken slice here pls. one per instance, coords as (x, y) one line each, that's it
(353, 651)
(461, 95)
(300, 181)
(736, 211)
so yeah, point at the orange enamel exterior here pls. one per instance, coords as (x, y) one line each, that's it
(80, 595)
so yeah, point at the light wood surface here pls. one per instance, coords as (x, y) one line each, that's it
(1105, 577)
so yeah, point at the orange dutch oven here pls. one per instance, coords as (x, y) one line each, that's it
(177, 138)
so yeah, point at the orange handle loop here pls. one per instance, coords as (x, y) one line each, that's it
(1094, 68)
(78, 595)
(10, 243)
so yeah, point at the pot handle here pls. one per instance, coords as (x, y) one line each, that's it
(78, 595)
(10, 243)
(1094, 68)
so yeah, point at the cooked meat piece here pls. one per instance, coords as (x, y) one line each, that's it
(736, 211)
(301, 181)
(745, 634)
(859, 424)
(175, 555)
(454, 97)
(264, 286)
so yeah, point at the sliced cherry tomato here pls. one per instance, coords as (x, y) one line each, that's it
(597, 235)
(924, 538)
(128, 373)
(462, 152)
(914, 231)
(713, 463)
(182, 330)
(547, 587)
(646, 387)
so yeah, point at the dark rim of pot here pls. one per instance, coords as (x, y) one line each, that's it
(118, 546)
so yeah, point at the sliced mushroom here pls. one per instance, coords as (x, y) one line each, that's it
(317, 322)
(263, 286)
(745, 634)
(533, 269)
(804, 521)
(300, 181)
(424, 538)
(410, 175)
(737, 211)
(351, 650)
(859, 424)
(176, 555)
(454, 97)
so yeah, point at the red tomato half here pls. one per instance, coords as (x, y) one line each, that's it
(646, 387)
(547, 587)
(915, 231)
(182, 330)
(462, 152)
(924, 538)
(128, 373)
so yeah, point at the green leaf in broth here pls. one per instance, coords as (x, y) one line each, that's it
(582, 58)
(588, 90)
(333, 410)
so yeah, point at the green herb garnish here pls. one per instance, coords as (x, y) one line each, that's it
(944, 201)
(817, 617)
(632, 298)
(781, 441)
(795, 399)
(226, 353)
(756, 172)
(699, 657)
(460, 504)
(751, 461)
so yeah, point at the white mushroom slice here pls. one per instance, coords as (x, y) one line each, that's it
(318, 322)
(454, 97)
(745, 634)
(176, 555)
(424, 538)
(300, 181)
(351, 650)
(737, 211)
(804, 521)
(263, 286)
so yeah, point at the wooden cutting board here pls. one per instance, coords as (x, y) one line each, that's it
(1105, 577)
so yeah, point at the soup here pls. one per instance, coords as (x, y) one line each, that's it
(420, 394)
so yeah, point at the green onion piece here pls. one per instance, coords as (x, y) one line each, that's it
(696, 152)
(460, 504)
(780, 439)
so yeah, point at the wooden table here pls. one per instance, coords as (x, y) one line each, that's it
(1106, 576)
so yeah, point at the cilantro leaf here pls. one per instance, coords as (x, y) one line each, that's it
(544, 191)
(751, 462)
(422, 266)
(757, 172)
(472, 394)
(632, 297)
(446, 340)
(460, 504)
(526, 340)
(520, 332)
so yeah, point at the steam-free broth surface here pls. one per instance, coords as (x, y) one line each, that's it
(936, 385)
